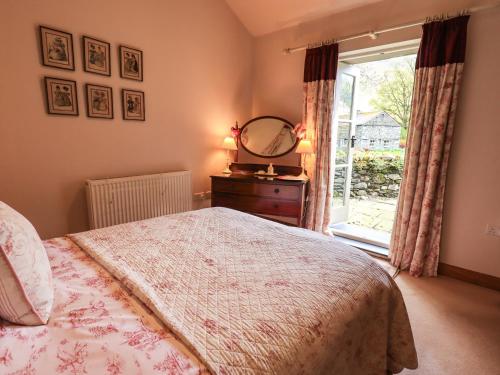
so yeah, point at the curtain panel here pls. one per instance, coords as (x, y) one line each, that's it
(320, 70)
(416, 236)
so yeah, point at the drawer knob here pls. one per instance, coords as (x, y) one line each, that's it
(275, 205)
(276, 190)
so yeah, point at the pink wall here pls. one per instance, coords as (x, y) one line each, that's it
(197, 70)
(472, 198)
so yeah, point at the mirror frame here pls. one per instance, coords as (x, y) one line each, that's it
(265, 156)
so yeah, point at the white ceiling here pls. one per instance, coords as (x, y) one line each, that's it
(266, 16)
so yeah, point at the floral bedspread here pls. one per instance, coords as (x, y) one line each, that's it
(251, 296)
(96, 327)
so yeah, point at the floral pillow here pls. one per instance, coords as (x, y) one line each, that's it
(26, 291)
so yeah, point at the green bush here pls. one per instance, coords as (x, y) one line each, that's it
(374, 162)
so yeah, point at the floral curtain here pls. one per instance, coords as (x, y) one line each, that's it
(415, 241)
(319, 82)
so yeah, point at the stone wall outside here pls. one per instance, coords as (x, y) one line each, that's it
(377, 137)
(376, 176)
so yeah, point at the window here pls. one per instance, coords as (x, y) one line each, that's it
(386, 143)
(372, 142)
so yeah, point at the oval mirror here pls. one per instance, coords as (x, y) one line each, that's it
(268, 137)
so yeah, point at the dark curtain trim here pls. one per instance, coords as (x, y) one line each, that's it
(443, 42)
(321, 63)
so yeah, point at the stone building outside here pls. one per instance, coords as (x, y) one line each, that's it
(377, 131)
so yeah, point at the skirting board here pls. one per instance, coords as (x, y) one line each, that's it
(462, 274)
(472, 277)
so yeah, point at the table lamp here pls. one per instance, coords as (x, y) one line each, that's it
(304, 148)
(229, 145)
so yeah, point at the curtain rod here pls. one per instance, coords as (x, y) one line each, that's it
(377, 54)
(374, 34)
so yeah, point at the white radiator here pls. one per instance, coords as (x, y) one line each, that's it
(121, 200)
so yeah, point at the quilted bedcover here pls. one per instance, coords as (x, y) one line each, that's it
(248, 295)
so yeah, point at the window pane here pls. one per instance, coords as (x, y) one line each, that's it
(346, 93)
(342, 150)
(339, 183)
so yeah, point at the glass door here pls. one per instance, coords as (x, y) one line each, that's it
(344, 137)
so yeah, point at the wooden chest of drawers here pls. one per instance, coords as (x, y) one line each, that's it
(278, 198)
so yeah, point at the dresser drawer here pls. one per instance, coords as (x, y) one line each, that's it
(257, 189)
(257, 205)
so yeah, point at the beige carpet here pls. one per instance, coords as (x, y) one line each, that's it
(456, 325)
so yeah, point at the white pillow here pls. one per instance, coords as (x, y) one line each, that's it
(26, 290)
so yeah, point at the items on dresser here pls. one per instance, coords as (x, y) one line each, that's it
(270, 169)
(278, 199)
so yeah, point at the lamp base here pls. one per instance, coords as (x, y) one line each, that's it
(303, 175)
(228, 164)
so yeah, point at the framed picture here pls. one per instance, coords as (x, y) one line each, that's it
(61, 96)
(130, 63)
(133, 105)
(96, 56)
(57, 48)
(99, 101)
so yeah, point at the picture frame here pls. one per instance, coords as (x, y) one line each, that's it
(57, 48)
(61, 96)
(99, 101)
(133, 105)
(131, 63)
(96, 56)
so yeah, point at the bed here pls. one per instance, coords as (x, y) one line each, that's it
(212, 291)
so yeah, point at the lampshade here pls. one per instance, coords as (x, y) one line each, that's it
(304, 147)
(229, 144)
